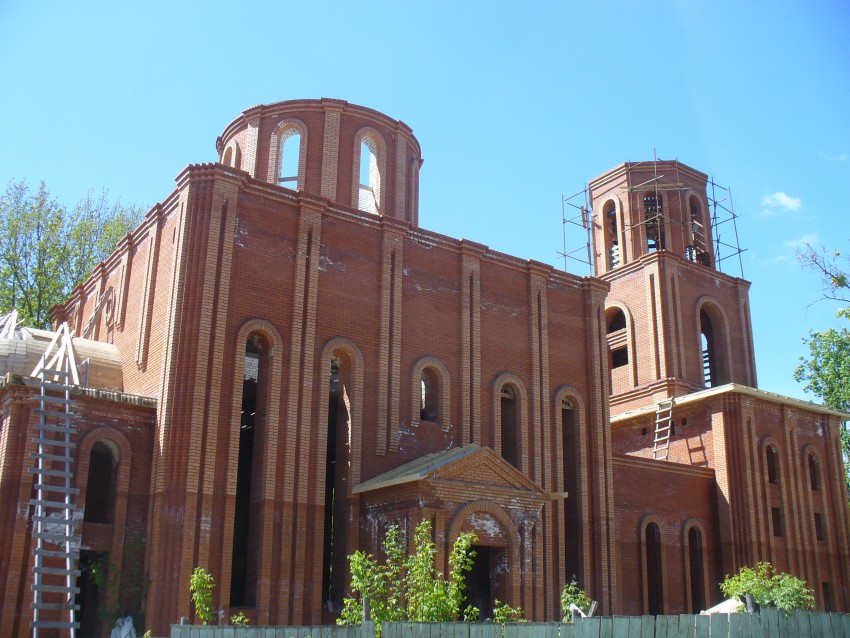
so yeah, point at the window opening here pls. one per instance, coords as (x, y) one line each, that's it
(227, 160)
(510, 443)
(90, 595)
(697, 251)
(289, 158)
(245, 541)
(772, 464)
(337, 455)
(618, 322)
(654, 574)
(571, 483)
(695, 557)
(819, 526)
(430, 399)
(370, 177)
(653, 211)
(827, 596)
(814, 473)
(709, 365)
(620, 357)
(100, 489)
(609, 214)
(616, 336)
(776, 517)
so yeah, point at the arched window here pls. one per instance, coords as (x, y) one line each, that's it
(653, 213)
(227, 160)
(100, 488)
(654, 573)
(369, 191)
(246, 530)
(510, 441)
(612, 234)
(715, 367)
(566, 410)
(697, 249)
(429, 384)
(697, 574)
(772, 462)
(814, 472)
(617, 339)
(289, 158)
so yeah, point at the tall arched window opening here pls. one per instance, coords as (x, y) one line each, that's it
(695, 562)
(243, 580)
(100, 488)
(709, 358)
(430, 400)
(814, 472)
(337, 461)
(227, 160)
(617, 340)
(370, 177)
(653, 212)
(289, 158)
(772, 464)
(697, 250)
(510, 440)
(612, 235)
(654, 574)
(571, 468)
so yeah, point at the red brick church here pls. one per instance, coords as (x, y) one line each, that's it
(280, 362)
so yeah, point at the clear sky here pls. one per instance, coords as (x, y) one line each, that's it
(514, 104)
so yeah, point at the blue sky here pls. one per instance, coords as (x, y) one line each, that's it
(513, 104)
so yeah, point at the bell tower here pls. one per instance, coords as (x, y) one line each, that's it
(675, 323)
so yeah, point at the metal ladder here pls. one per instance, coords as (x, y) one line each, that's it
(56, 544)
(663, 428)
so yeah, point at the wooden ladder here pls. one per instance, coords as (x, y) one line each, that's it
(56, 544)
(663, 429)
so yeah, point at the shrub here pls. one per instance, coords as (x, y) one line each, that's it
(202, 585)
(409, 587)
(503, 613)
(769, 588)
(573, 594)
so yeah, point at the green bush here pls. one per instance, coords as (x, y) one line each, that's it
(409, 587)
(503, 613)
(570, 594)
(202, 585)
(769, 588)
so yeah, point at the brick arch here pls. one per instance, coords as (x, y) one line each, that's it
(621, 232)
(116, 441)
(281, 132)
(235, 159)
(381, 153)
(645, 522)
(272, 440)
(511, 379)
(445, 399)
(764, 444)
(689, 524)
(720, 321)
(811, 451)
(358, 363)
(514, 543)
(631, 347)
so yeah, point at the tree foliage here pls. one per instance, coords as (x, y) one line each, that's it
(47, 248)
(409, 587)
(202, 585)
(769, 588)
(826, 372)
(573, 594)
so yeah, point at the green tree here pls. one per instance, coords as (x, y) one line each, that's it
(573, 594)
(826, 371)
(409, 587)
(202, 584)
(769, 588)
(47, 248)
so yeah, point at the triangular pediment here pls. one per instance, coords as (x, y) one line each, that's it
(468, 464)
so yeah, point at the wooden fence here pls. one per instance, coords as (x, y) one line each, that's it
(769, 623)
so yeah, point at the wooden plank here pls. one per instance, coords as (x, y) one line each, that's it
(702, 626)
(535, 630)
(661, 626)
(590, 627)
(606, 627)
(553, 630)
(686, 626)
(621, 627)
(719, 624)
(826, 625)
(647, 627)
(804, 623)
